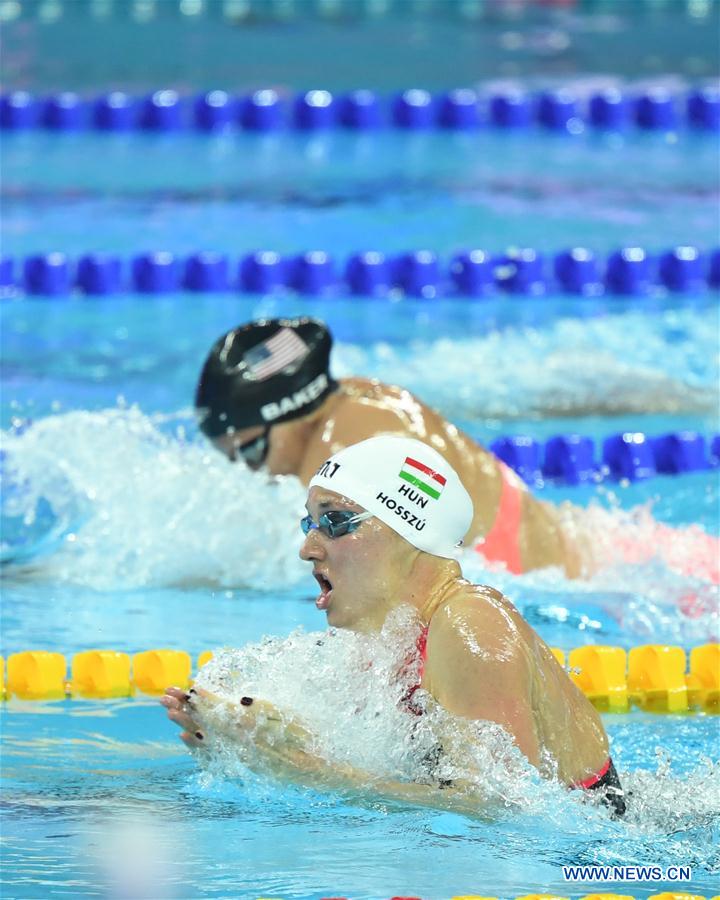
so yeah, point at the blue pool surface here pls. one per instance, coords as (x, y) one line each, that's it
(122, 529)
(340, 192)
(91, 781)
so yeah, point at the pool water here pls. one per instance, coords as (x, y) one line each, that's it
(339, 192)
(124, 558)
(122, 529)
(91, 782)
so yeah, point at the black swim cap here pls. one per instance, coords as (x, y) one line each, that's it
(264, 373)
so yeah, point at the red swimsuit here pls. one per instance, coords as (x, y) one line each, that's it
(502, 542)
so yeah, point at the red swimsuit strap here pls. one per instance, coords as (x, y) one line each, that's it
(502, 542)
(592, 780)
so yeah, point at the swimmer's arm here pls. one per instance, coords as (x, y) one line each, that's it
(286, 751)
(309, 770)
(477, 669)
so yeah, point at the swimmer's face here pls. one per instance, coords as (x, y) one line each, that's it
(247, 444)
(361, 574)
(282, 455)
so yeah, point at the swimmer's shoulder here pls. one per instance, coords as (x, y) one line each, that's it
(364, 407)
(475, 655)
(403, 411)
(361, 408)
(476, 613)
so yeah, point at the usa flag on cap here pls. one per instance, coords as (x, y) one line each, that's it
(275, 354)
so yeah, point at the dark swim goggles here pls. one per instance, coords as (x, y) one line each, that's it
(255, 451)
(335, 523)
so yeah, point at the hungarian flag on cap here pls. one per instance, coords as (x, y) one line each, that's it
(423, 477)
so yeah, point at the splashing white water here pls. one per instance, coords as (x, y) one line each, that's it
(135, 506)
(348, 690)
(611, 364)
(155, 510)
(658, 805)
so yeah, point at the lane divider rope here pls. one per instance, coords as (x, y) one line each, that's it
(653, 677)
(627, 272)
(254, 12)
(462, 109)
(627, 456)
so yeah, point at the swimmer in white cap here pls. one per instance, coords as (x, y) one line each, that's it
(385, 519)
(266, 396)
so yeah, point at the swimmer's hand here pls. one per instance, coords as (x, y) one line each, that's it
(181, 712)
(249, 722)
(285, 749)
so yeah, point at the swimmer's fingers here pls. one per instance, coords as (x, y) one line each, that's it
(175, 701)
(197, 709)
(206, 698)
(258, 709)
(171, 702)
(173, 698)
(183, 719)
(179, 709)
(256, 715)
(191, 695)
(193, 739)
(269, 727)
(177, 693)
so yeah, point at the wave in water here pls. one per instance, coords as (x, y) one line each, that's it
(136, 507)
(612, 364)
(347, 690)
(128, 502)
(472, 362)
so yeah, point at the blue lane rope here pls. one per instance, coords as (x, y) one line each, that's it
(462, 109)
(631, 272)
(629, 456)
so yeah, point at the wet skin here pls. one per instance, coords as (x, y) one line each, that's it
(362, 408)
(483, 660)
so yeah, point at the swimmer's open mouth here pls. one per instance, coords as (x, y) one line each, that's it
(326, 587)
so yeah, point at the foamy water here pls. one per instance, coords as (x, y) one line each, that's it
(365, 724)
(616, 363)
(136, 507)
(119, 500)
(474, 362)
(347, 691)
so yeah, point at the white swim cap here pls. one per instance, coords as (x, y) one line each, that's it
(407, 485)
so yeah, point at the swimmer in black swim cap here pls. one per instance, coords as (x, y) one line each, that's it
(259, 376)
(266, 395)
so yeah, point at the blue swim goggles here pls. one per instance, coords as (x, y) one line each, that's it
(335, 522)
